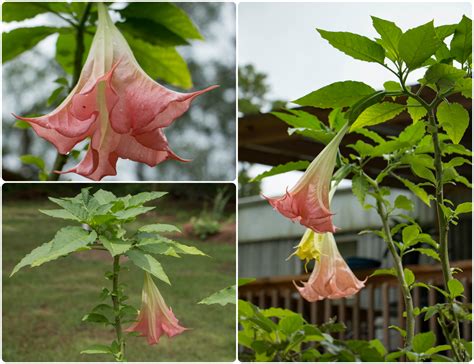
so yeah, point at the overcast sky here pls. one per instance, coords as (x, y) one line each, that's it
(280, 40)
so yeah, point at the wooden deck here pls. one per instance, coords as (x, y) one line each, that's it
(368, 314)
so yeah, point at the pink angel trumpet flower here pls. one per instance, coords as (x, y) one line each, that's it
(308, 201)
(115, 104)
(331, 277)
(155, 318)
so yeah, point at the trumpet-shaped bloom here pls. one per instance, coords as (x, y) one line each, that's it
(331, 276)
(308, 201)
(115, 104)
(308, 248)
(155, 318)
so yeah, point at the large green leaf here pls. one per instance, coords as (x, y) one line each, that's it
(338, 94)
(20, 40)
(423, 341)
(161, 62)
(66, 49)
(461, 44)
(390, 35)
(377, 114)
(151, 32)
(157, 244)
(282, 168)
(168, 15)
(148, 264)
(222, 297)
(60, 214)
(115, 246)
(132, 212)
(418, 44)
(74, 207)
(355, 45)
(66, 240)
(444, 31)
(18, 11)
(159, 228)
(143, 197)
(454, 119)
(440, 71)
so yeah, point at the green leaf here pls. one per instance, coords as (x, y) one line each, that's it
(18, 11)
(455, 288)
(33, 160)
(97, 349)
(355, 45)
(392, 86)
(159, 228)
(132, 212)
(336, 119)
(115, 246)
(384, 272)
(160, 245)
(454, 119)
(417, 190)
(437, 349)
(165, 14)
(418, 44)
(390, 35)
(54, 95)
(338, 94)
(105, 197)
(463, 208)
(410, 233)
(461, 44)
(360, 187)
(424, 341)
(96, 317)
(65, 50)
(443, 72)
(244, 281)
(403, 202)
(222, 297)
(20, 40)
(377, 114)
(415, 109)
(60, 214)
(66, 240)
(290, 324)
(20, 124)
(282, 168)
(148, 264)
(464, 86)
(151, 32)
(428, 252)
(143, 197)
(409, 276)
(444, 31)
(161, 62)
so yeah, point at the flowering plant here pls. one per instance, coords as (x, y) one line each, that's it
(101, 224)
(430, 147)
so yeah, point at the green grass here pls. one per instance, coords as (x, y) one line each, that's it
(43, 306)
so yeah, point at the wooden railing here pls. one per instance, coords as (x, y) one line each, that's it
(368, 314)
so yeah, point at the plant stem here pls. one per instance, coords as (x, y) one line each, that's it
(61, 159)
(410, 319)
(443, 228)
(116, 305)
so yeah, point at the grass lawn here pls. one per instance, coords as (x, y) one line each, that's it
(43, 306)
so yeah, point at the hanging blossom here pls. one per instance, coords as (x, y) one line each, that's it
(115, 104)
(308, 201)
(155, 318)
(331, 277)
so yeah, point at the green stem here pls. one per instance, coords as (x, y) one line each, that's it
(61, 159)
(443, 228)
(407, 297)
(116, 305)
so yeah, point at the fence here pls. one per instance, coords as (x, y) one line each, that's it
(368, 314)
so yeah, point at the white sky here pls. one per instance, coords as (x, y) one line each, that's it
(280, 40)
